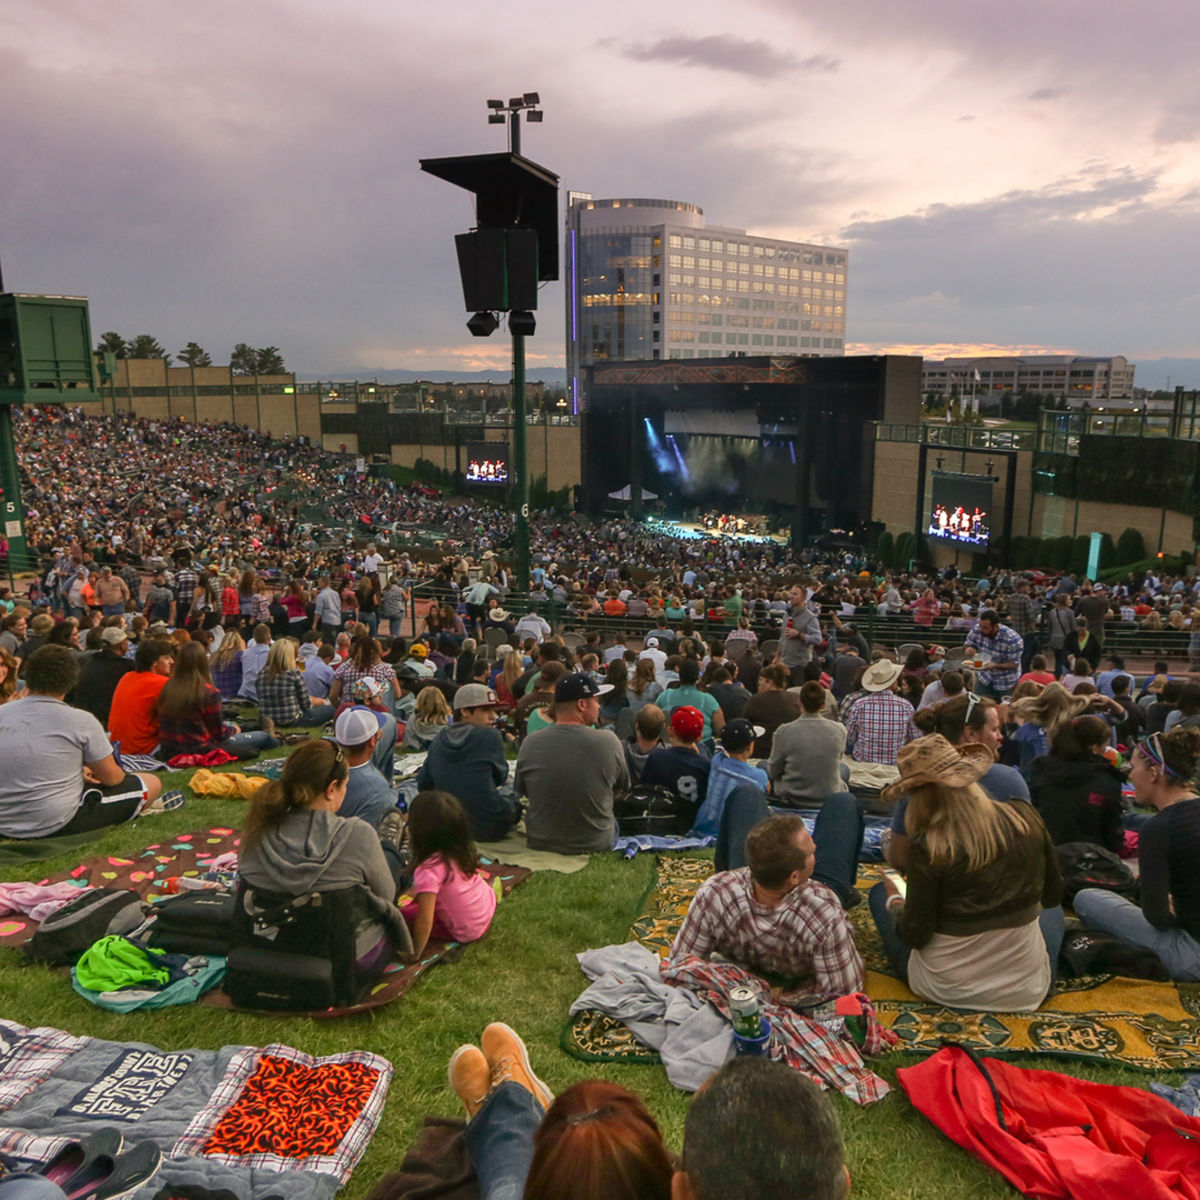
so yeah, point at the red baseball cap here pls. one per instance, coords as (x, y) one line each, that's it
(687, 722)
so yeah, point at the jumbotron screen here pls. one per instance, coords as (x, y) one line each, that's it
(487, 462)
(961, 509)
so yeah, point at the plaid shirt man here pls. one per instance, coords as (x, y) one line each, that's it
(805, 941)
(184, 586)
(1006, 646)
(1022, 613)
(879, 725)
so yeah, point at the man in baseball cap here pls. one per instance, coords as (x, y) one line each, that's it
(368, 794)
(730, 769)
(467, 760)
(680, 765)
(569, 771)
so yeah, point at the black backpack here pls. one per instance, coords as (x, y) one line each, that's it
(1092, 952)
(1086, 865)
(298, 953)
(653, 809)
(198, 922)
(64, 935)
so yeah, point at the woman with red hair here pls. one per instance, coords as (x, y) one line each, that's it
(595, 1142)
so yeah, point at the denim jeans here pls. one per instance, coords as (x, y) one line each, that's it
(1050, 921)
(500, 1141)
(252, 739)
(838, 834)
(1179, 951)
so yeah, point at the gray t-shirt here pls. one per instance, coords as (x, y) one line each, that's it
(43, 746)
(805, 756)
(569, 773)
(367, 795)
(795, 651)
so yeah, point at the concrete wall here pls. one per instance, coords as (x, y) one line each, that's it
(553, 451)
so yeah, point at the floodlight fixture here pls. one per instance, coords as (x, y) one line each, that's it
(495, 104)
(483, 324)
(534, 115)
(495, 118)
(531, 98)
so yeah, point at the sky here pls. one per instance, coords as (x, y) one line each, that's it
(1015, 178)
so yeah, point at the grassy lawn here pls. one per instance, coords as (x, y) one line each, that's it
(524, 972)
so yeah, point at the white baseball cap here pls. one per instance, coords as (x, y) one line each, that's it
(358, 725)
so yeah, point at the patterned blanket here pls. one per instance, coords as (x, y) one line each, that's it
(190, 855)
(1102, 1018)
(256, 1122)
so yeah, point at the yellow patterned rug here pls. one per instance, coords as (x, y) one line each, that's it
(1103, 1018)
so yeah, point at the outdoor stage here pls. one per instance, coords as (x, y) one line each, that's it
(696, 530)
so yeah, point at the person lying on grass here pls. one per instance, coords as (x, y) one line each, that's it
(452, 900)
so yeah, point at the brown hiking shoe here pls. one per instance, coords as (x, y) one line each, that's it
(509, 1059)
(470, 1076)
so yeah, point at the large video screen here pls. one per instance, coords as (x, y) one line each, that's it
(487, 462)
(961, 509)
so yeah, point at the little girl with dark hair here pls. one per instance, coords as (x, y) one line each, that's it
(451, 899)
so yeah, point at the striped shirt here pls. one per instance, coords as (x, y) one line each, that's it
(805, 940)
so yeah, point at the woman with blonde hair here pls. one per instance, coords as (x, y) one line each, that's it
(1040, 717)
(227, 665)
(979, 924)
(283, 698)
(430, 717)
(512, 668)
(8, 675)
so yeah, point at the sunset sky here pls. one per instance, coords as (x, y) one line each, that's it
(1023, 176)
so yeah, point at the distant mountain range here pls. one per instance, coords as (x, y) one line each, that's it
(552, 377)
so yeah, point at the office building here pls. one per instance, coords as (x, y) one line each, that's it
(1071, 377)
(649, 279)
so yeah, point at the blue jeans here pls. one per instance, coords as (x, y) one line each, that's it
(318, 714)
(1050, 921)
(253, 739)
(838, 834)
(1179, 951)
(500, 1141)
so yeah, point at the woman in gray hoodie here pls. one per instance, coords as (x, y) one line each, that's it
(294, 842)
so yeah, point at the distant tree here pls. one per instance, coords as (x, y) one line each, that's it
(112, 343)
(268, 361)
(243, 360)
(1108, 552)
(145, 346)
(885, 548)
(906, 549)
(1131, 547)
(192, 355)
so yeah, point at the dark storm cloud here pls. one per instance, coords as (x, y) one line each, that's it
(754, 59)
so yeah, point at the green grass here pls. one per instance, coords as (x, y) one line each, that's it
(524, 972)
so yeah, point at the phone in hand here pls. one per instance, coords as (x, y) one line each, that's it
(898, 882)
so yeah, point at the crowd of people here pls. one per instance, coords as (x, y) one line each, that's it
(188, 613)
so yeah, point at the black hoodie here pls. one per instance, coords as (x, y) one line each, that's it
(1079, 799)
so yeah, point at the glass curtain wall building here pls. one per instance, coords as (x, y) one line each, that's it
(648, 279)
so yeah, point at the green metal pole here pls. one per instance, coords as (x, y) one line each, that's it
(12, 511)
(520, 464)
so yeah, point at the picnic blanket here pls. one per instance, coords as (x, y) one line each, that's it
(1100, 1018)
(257, 1122)
(190, 855)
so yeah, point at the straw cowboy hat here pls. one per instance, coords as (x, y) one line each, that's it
(880, 676)
(932, 759)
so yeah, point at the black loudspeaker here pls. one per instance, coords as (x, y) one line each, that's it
(482, 265)
(522, 260)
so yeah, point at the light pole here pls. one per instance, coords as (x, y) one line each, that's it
(519, 325)
(512, 249)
